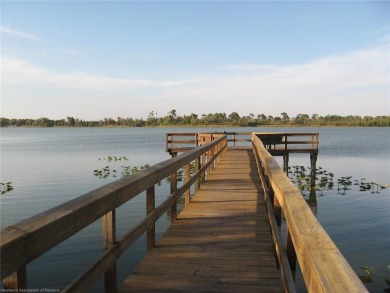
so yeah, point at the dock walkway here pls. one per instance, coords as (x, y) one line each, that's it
(220, 242)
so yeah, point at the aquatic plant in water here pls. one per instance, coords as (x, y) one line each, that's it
(115, 158)
(368, 277)
(6, 187)
(324, 180)
(126, 171)
(121, 172)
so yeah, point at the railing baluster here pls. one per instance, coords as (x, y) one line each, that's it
(173, 188)
(150, 207)
(197, 184)
(291, 254)
(187, 178)
(204, 163)
(277, 210)
(109, 238)
(208, 160)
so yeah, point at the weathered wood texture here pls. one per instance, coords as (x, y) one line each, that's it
(220, 242)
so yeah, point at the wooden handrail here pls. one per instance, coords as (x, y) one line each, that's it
(27, 240)
(323, 266)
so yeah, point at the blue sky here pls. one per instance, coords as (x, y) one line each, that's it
(96, 59)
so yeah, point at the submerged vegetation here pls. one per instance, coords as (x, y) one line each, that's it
(210, 119)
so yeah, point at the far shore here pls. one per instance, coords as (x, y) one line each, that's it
(201, 126)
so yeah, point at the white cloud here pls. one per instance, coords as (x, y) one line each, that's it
(17, 71)
(354, 83)
(18, 34)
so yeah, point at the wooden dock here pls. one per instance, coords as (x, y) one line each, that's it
(228, 237)
(221, 242)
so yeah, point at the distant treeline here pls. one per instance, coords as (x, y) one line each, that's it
(233, 119)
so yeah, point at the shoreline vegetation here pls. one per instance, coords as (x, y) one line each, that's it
(207, 120)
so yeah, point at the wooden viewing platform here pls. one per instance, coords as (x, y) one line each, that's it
(221, 242)
(226, 239)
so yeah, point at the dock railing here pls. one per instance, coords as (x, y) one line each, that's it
(178, 142)
(25, 241)
(323, 267)
(277, 143)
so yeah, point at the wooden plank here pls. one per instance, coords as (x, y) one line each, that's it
(220, 242)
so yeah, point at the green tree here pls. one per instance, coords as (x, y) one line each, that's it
(70, 121)
(301, 119)
(4, 122)
(285, 117)
(234, 117)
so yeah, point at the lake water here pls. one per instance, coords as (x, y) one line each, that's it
(49, 166)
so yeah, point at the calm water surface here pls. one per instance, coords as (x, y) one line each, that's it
(49, 166)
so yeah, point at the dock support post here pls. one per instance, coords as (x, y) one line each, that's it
(150, 207)
(109, 239)
(313, 163)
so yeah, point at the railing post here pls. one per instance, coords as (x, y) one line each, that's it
(213, 153)
(197, 183)
(186, 179)
(285, 142)
(291, 254)
(313, 141)
(166, 142)
(204, 163)
(208, 160)
(150, 207)
(173, 185)
(109, 238)
(277, 209)
(17, 280)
